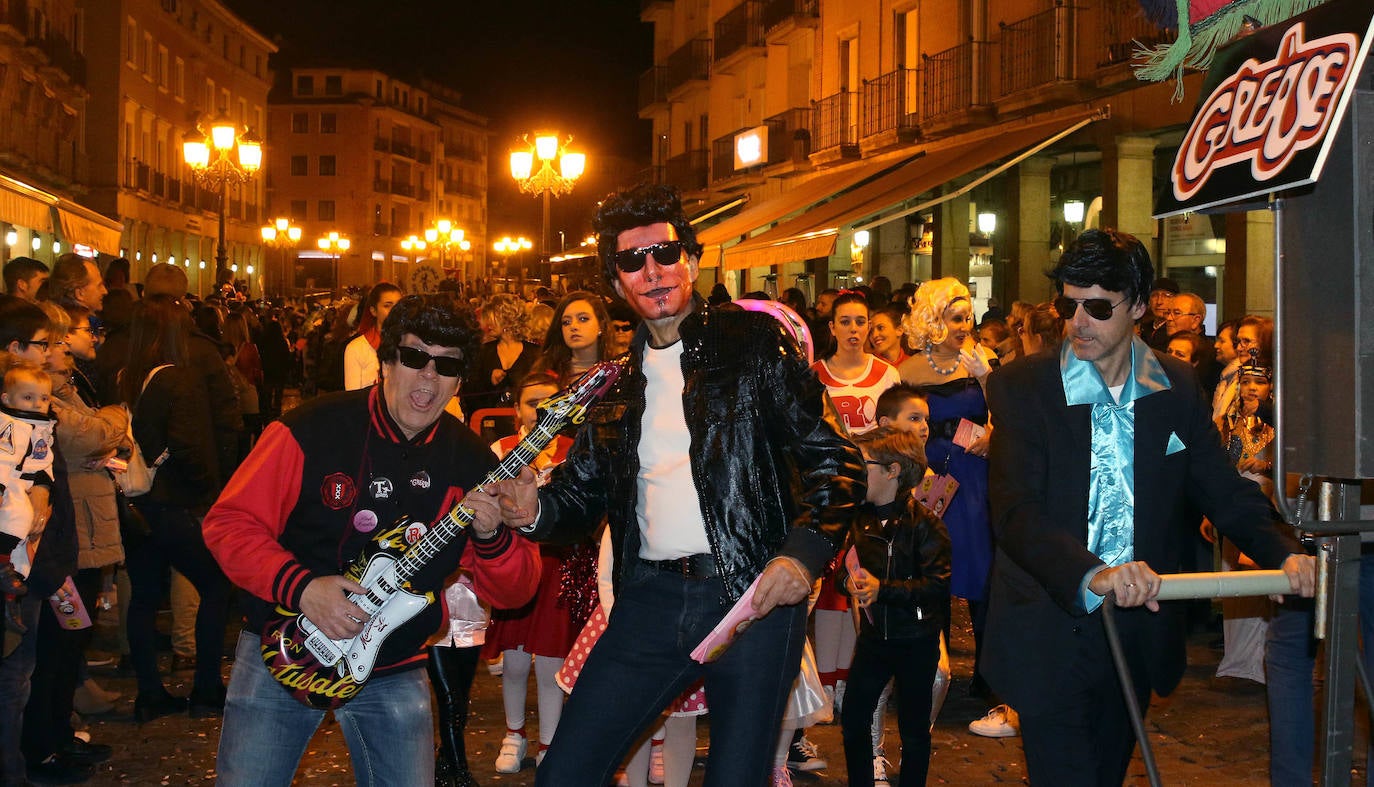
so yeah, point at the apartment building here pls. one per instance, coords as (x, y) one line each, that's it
(914, 140)
(377, 160)
(44, 166)
(160, 70)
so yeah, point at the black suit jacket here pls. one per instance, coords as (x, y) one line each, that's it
(1039, 495)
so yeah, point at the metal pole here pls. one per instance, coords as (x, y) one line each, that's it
(1337, 621)
(548, 201)
(222, 253)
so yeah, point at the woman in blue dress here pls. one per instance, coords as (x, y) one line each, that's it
(950, 367)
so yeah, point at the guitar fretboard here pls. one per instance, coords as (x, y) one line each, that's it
(447, 529)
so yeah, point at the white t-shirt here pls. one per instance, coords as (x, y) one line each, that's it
(667, 505)
(360, 364)
(856, 398)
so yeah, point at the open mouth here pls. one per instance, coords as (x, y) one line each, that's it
(422, 398)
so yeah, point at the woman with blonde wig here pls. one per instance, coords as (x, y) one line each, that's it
(950, 366)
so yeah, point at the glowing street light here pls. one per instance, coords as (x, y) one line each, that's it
(335, 244)
(281, 234)
(218, 158)
(558, 169)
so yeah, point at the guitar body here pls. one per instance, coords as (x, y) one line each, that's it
(325, 673)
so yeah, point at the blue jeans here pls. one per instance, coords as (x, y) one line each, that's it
(387, 727)
(1289, 658)
(15, 671)
(642, 662)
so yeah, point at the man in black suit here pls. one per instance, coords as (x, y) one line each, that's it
(1095, 455)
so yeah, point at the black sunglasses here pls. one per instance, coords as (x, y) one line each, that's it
(444, 366)
(1097, 308)
(666, 253)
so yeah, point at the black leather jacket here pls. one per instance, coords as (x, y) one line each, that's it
(775, 473)
(910, 558)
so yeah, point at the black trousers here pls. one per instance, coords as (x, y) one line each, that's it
(1085, 737)
(911, 663)
(451, 671)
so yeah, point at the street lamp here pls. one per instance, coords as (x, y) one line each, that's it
(335, 244)
(281, 234)
(509, 246)
(413, 246)
(444, 236)
(546, 181)
(221, 157)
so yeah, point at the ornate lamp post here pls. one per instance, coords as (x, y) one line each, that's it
(509, 246)
(221, 157)
(335, 244)
(546, 181)
(444, 236)
(282, 235)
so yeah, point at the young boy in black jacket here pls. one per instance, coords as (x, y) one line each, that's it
(902, 589)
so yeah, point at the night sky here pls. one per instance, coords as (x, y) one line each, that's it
(572, 65)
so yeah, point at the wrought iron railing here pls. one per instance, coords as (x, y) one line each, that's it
(776, 12)
(952, 81)
(785, 130)
(835, 121)
(740, 27)
(1037, 50)
(687, 170)
(691, 61)
(892, 102)
(653, 86)
(1123, 29)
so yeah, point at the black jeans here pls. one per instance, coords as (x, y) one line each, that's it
(175, 541)
(451, 671)
(912, 664)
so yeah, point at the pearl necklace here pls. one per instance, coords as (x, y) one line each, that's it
(930, 359)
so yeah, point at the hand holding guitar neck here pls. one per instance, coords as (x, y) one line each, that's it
(324, 603)
(518, 498)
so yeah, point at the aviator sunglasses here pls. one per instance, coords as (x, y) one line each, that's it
(1097, 308)
(444, 366)
(665, 253)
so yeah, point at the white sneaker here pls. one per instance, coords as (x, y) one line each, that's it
(656, 763)
(880, 772)
(512, 756)
(1001, 722)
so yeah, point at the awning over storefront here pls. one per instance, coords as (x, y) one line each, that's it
(24, 206)
(814, 233)
(83, 226)
(767, 211)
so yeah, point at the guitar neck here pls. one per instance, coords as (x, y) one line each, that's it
(447, 529)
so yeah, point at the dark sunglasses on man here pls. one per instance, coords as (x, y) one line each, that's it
(666, 253)
(1099, 309)
(444, 366)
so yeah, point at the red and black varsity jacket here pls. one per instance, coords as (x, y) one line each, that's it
(334, 473)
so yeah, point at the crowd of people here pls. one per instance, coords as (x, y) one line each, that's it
(843, 475)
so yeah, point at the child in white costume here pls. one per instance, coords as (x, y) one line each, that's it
(26, 446)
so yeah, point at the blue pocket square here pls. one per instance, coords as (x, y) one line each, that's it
(1175, 444)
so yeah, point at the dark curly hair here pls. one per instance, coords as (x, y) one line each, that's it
(638, 207)
(1112, 260)
(431, 324)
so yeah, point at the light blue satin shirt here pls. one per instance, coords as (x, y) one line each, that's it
(1111, 480)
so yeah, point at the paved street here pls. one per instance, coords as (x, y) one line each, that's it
(1201, 736)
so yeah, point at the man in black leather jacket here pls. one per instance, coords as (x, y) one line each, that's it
(716, 459)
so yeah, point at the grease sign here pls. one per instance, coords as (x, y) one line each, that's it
(1271, 104)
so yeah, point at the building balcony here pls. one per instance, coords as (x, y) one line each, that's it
(892, 103)
(460, 189)
(402, 148)
(402, 189)
(235, 209)
(381, 186)
(424, 156)
(174, 189)
(739, 34)
(687, 171)
(653, 89)
(159, 188)
(380, 229)
(691, 63)
(954, 88)
(781, 18)
(207, 200)
(381, 144)
(1120, 29)
(789, 136)
(466, 153)
(835, 125)
(423, 194)
(142, 176)
(1037, 51)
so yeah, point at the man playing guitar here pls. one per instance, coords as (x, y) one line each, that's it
(320, 486)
